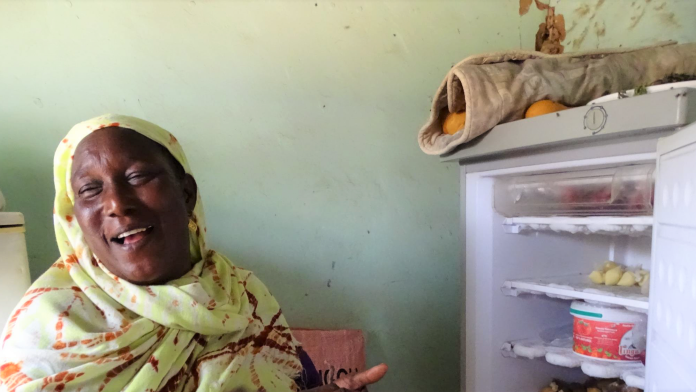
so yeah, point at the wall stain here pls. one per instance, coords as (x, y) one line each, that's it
(669, 19)
(637, 19)
(583, 10)
(660, 7)
(600, 30)
(571, 28)
(578, 41)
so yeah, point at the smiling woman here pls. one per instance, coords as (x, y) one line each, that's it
(137, 301)
(134, 203)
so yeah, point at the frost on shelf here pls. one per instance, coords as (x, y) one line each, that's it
(631, 226)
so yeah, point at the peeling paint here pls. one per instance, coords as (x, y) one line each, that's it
(524, 6)
(552, 32)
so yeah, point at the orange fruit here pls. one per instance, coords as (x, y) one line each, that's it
(546, 106)
(454, 122)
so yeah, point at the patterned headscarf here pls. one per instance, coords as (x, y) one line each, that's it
(80, 327)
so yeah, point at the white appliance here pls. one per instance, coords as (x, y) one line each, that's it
(521, 271)
(14, 279)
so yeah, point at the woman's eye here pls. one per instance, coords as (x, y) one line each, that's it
(89, 190)
(139, 177)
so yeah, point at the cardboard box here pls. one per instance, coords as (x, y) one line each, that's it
(335, 353)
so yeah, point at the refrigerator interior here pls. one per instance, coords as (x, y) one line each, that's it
(513, 275)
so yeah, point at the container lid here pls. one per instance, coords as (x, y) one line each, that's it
(11, 219)
(604, 312)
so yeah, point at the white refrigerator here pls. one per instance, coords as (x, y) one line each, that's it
(547, 200)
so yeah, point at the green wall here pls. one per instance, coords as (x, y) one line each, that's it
(300, 120)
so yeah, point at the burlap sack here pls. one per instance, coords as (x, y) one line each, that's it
(498, 87)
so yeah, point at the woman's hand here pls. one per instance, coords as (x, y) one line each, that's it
(360, 380)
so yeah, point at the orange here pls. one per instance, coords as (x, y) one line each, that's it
(454, 123)
(544, 107)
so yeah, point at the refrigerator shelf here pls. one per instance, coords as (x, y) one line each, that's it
(638, 226)
(560, 352)
(578, 286)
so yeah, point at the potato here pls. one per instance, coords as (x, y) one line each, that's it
(597, 277)
(627, 279)
(609, 265)
(612, 277)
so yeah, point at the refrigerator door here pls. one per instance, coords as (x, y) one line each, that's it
(671, 349)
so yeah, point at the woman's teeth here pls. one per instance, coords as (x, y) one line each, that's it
(131, 232)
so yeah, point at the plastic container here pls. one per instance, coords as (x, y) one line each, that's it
(620, 191)
(608, 333)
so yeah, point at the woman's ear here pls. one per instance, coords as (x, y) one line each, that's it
(190, 193)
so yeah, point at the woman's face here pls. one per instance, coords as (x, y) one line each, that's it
(133, 203)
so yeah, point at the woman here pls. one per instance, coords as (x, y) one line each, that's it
(137, 302)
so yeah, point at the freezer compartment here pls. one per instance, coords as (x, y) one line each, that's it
(614, 191)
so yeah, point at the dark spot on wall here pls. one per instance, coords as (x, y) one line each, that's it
(661, 7)
(394, 34)
(333, 265)
(328, 284)
(368, 232)
(346, 27)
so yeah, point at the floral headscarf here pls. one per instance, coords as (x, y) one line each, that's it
(79, 327)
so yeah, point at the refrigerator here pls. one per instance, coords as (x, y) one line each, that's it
(14, 280)
(547, 200)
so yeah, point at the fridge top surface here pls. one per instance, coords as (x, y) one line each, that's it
(612, 122)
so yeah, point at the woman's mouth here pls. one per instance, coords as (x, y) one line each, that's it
(132, 236)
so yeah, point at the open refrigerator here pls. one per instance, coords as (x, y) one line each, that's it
(546, 200)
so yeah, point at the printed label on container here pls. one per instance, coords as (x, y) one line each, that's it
(605, 340)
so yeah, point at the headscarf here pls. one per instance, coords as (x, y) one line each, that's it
(80, 327)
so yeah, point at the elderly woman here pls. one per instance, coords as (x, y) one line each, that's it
(137, 301)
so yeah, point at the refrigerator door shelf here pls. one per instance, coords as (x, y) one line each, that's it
(578, 286)
(560, 352)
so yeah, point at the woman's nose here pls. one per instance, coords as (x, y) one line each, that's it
(119, 200)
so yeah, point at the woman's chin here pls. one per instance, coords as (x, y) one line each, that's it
(146, 273)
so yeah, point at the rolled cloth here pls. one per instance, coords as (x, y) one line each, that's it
(499, 87)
